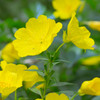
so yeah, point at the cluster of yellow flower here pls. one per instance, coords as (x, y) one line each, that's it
(37, 37)
(39, 34)
(12, 76)
(65, 9)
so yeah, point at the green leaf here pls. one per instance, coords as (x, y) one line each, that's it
(38, 71)
(45, 59)
(62, 84)
(55, 63)
(37, 84)
(65, 61)
(68, 93)
(35, 90)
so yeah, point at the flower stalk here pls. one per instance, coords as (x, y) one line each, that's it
(74, 96)
(16, 95)
(48, 71)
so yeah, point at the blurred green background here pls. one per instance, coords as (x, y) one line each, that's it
(15, 13)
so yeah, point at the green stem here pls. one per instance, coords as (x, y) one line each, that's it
(48, 72)
(16, 95)
(47, 81)
(58, 48)
(44, 92)
(74, 96)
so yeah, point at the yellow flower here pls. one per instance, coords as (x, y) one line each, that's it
(91, 60)
(18, 69)
(36, 37)
(55, 96)
(94, 25)
(65, 8)
(30, 77)
(91, 87)
(79, 36)
(9, 82)
(9, 53)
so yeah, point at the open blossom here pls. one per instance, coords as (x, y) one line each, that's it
(94, 60)
(9, 82)
(20, 75)
(65, 8)
(91, 87)
(9, 53)
(18, 69)
(36, 37)
(79, 36)
(55, 96)
(94, 25)
(32, 77)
